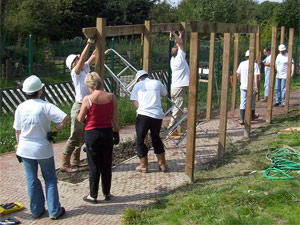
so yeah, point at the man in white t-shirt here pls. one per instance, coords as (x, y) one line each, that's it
(32, 127)
(242, 75)
(146, 97)
(281, 65)
(180, 81)
(79, 69)
(267, 62)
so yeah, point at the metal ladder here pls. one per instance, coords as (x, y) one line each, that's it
(127, 90)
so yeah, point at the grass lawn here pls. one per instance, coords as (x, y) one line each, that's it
(226, 193)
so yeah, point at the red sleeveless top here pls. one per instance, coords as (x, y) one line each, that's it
(99, 115)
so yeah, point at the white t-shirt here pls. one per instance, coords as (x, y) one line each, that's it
(148, 94)
(267, 60)
(33, 118)
(81, 90)
(243, 70)
(282, 65)
(180, 70)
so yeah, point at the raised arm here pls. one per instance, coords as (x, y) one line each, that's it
(178, 39)
(83, 56)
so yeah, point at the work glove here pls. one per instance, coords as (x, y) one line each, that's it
(52, 135)
(116, 138)
(91, 41)
(255, 91)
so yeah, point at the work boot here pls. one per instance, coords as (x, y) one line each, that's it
(65, 164)
(162, 162)
(254, 115)
(143, 167)
(76, 160)
(242, 114)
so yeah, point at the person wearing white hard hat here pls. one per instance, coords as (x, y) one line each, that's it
(79, 69)
(32, 126)
(281, 65)
(180, 82)
(146, 97)
(242, 76)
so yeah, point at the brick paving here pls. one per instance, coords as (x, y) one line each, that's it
(130, 189)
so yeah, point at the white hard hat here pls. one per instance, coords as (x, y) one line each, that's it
(32, 84)
(247, 53)
(70, 59)
(139, 74)
(281, 47)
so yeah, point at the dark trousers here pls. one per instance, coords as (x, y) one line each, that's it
(99, 143)
(142, 126)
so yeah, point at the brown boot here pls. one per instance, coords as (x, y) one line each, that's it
(65, 164)
(143, 167)
(76, 160)
(162, 162)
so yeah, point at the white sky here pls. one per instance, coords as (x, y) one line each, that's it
(175, 2)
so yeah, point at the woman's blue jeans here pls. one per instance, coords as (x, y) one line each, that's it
(280, 87)
(34, 186)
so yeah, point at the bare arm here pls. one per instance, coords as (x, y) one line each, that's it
(238, 77)
(58, 126)
(91, 60)
(115, 119)
(178, 39)
(256, 80)
(293, 69)
(135, 103)
(83, 56)
(83, 110)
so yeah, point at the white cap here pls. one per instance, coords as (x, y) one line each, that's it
(70, 59)
(140, 73)
(281, 47)
(247, 53)
(32, 84)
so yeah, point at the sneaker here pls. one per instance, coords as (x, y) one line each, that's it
(276, 104)
(281, 105)
(63, 211)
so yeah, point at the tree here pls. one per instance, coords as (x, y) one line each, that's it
(163, 13)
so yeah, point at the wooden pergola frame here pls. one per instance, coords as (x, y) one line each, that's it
(101, 31)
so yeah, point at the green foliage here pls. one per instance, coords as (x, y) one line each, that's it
(163, 12)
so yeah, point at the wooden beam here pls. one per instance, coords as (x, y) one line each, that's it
(166, 27)
(100, 47)
(282, 35)
(147, 47)
(248, 113)
(114, 31)
(258, 57)
(210, 75)
(289, 72)
(224, 95)
(192, 106)
(272, 75)
(183, 27)
(89, 32)
(235, 66)
(212, 27)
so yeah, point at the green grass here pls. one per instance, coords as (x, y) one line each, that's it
(223, 194)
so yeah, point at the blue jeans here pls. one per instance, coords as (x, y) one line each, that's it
(267, 81)
(280, 87)
(244, 100)
(34, 186)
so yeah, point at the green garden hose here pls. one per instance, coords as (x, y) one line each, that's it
(283, 161)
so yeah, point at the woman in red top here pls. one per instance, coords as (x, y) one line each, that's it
(100, 111)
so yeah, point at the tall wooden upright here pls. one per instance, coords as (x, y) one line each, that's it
(100, 46)
(210, 76)
(192, 106)
(248, 113)
(235, 66)
(258, 56)
(224, 95)
(147, 47)
(282, 35)
(272, 75)
(289, 71)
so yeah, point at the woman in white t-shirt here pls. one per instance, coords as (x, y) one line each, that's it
(32, 126)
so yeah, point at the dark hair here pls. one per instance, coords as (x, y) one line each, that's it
(33, 95)
(267, 49)
(144, 76)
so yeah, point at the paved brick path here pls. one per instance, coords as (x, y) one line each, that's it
(130, 189)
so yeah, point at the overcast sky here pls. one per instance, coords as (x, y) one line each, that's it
(175, 2)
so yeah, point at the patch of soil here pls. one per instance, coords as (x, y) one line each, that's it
(121, 152)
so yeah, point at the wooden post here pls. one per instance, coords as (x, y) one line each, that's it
(210, 75)
(235, 66)
(147, 47)
(183, 24)
(248, 113)
(192, 106)
(224, 95)
(288, 78)
(258, 57)
(272, 75)
(100, 47)
(282, 35)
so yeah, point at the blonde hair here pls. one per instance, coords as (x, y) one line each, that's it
(93, 81)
